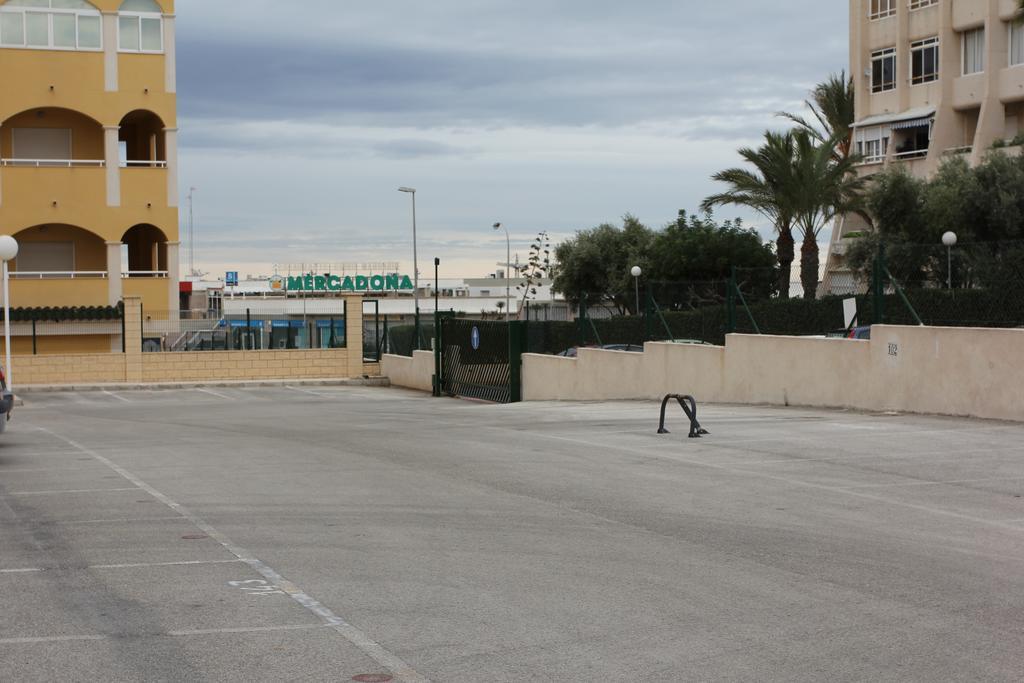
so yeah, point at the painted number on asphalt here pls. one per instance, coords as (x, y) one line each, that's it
(256, 587)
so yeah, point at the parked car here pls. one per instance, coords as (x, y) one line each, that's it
(6, 401)
(863, 332)
(572, 352)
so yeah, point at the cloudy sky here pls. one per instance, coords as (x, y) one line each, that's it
(299, 120)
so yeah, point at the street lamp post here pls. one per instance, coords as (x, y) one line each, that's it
(508, 264)
(949, 239)
(8, 251)
(636, 272)
(415, 263)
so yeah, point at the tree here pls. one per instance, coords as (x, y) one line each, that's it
(695, 249)
(770, 189)
(984, 206)
(595, 263)
(537, 268)
(832, 104)
(828, 185)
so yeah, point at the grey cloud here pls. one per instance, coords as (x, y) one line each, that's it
(561, 66)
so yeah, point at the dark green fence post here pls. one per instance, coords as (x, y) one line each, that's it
(878, 285)
(730, 304)
(648, 318)
(516, 348)
(34, 351)
(581, 322)
(250, 341)
(437, 353)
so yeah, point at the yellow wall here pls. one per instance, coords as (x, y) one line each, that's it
(58, 293)
(151, 289)
(57, 346)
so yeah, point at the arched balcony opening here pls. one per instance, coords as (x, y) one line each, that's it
(57, 252)
(144, 252)
(50, 136)
(142, 141)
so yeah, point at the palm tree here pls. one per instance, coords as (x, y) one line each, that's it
(770, 190)
(832, 104)
(828, 186)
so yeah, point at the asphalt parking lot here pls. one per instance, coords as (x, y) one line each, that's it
(352, 533)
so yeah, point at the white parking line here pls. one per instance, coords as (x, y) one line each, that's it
(168, 634)
(53, 493)
(215, 393)
(387, 659)
(76, 522)
(119, 398)
(138, 565)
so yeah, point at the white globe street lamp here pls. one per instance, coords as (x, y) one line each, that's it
(8, 251)
(636, 272)
(949, 239)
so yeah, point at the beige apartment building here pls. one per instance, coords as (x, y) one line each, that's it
(933, 78)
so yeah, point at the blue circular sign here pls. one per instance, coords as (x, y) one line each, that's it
(474, 338)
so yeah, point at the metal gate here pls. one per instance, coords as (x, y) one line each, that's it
(481, 359)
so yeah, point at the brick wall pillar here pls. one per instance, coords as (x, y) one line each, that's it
(133, 338)
(354, 335)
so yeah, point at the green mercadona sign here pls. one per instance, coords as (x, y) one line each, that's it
(337, 283)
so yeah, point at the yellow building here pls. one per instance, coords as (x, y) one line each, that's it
(88, 158)
(934, 79)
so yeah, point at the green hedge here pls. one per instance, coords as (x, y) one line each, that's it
(66, 314)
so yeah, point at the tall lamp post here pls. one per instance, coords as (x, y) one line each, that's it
(949, 239)
(415, 263)
(636, 272)
(508, 264)
(8, 251)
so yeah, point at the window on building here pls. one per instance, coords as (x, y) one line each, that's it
(41, 144)
(883, 70)
(878, 9)
(974, 51)
(924, 61)
(50, 25)
(140, 26)
(873, 143)
(46, 257)
(918, 4)
(1016, 43)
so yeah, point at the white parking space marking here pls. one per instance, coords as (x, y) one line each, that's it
(76, 522)
(31, 570)
(58, 492)
(147, 565)
(217, 394)
(119, 398)
(168, 634)
(387, 659)
(306, 391)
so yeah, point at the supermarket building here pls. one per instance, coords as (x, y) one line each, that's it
(88, 159)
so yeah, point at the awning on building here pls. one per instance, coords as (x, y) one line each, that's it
(912, 118)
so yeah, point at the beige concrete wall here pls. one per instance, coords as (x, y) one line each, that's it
(951, 371)
(100, 368)
(239, 365)
(412, 373)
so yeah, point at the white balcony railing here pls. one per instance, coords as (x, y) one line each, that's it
(145, 273)
(965, 149)
(912, 154)
(143, 164)
(60, 275)
(55, 163)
